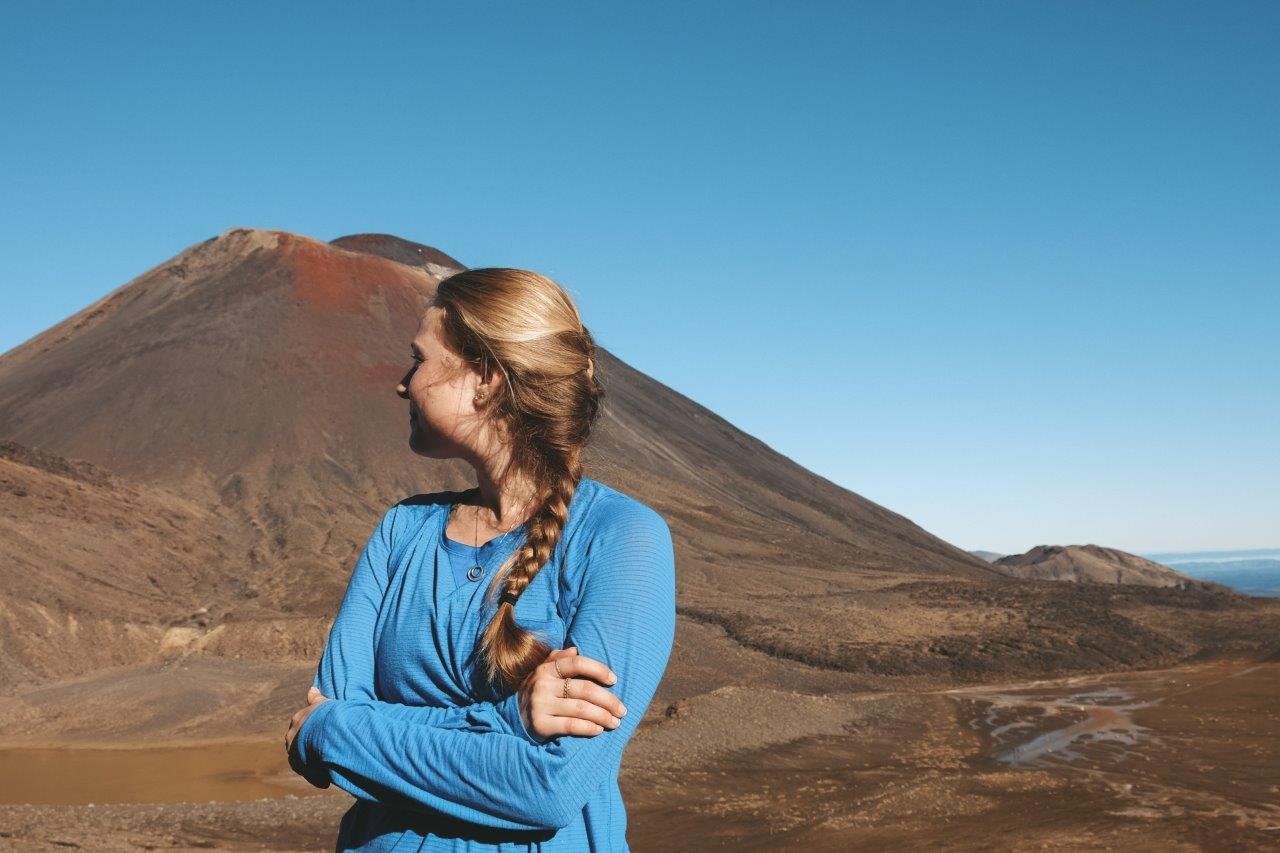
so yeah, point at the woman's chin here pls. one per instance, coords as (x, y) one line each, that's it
(419, 444)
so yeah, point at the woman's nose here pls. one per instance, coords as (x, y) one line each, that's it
(403, 388)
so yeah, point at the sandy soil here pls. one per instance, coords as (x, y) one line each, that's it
(1191, 761)
(1183, 758)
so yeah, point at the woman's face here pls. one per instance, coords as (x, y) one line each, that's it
(442, 417)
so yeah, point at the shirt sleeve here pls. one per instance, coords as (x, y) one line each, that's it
(346, 667)
(625, 617)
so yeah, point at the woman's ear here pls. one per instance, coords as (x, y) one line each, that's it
(491, 379)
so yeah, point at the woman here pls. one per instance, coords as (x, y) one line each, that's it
(443, 703)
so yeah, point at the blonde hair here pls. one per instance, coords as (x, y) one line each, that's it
(526, 326)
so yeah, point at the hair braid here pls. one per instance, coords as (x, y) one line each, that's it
(511, 646)
(526, 327)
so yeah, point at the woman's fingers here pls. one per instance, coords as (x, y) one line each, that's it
(572, 663)
(572, 716)
(585, 667)
(588, 702)
(585, 690)
(588, 710)
(576, 726)
(583, 673)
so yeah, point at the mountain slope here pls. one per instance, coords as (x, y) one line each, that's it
(239, 401)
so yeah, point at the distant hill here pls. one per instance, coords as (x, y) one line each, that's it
(989, 556)
(1093, 564)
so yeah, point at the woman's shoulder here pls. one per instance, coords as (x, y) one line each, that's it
(412, 512)
(611, 511)
(427, 502)
(622, 543)
(613, 504)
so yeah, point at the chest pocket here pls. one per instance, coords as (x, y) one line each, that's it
(551, 631)
(536, 609)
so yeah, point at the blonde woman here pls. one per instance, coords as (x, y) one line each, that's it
(444, 701)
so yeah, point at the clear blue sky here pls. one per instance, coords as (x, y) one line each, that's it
(1008, 269)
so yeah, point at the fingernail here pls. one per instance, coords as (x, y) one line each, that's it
(613, 679)
(624, 710)
(616, 721)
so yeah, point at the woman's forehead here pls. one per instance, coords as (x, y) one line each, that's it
(428, 326)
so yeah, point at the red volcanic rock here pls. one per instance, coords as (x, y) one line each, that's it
(259, 353)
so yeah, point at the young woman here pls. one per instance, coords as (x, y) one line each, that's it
(443, 700)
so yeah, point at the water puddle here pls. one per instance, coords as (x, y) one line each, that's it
(1032, 728)
(199, 773)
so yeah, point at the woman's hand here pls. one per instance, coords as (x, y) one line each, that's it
(314, 698)
(590, 708)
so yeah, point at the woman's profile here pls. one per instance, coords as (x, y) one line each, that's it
(496, 647)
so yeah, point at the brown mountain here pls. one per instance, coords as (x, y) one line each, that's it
(1094, 564)
(195, 460)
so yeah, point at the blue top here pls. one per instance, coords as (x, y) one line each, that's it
(437, 760)
(463, 558)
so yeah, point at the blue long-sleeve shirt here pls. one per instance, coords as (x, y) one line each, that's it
(435, 759)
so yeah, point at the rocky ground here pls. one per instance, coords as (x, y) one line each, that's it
(818, 761)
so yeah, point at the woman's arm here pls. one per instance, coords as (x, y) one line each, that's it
(346, 667)
(625, 617)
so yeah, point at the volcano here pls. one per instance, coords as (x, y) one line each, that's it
(191, 464)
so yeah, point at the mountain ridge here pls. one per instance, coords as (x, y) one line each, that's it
(238, 400)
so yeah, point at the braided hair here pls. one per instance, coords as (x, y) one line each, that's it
(526, 326)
